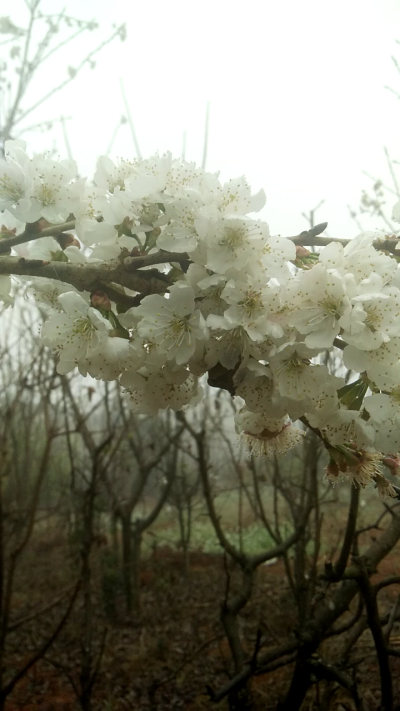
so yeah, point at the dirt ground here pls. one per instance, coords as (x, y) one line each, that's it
(164, 657)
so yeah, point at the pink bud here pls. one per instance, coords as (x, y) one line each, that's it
(5, 231)
(332, 470)
(302, 251)
(392, 462)
(100, 300)
(66, 240)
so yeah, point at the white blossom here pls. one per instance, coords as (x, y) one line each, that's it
(233, 242)
(359, 258)
(116, 356)
(13, 185)
(382, 365)
(297, 378)
(76, 334)
(384, 411)
(237, 305)
(375, 318)
(345, 426)
(148, 393)
(317, 302)
(265, 435)
(174, 324)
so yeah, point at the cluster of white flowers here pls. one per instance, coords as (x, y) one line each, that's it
(240, 302)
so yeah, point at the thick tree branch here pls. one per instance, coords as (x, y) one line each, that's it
(269, 658)
(88, 277)
(31, 233)
(42, 650)
(132, 264)
(336, 573)
(377, 634)
(308, 239)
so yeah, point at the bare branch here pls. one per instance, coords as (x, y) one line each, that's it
(392, 173)
(71, 77)
(205, 144)
(130, 119)
(88, 277)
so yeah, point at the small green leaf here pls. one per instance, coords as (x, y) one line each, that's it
(353, 395)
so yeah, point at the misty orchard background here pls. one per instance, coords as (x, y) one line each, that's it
(297, 95)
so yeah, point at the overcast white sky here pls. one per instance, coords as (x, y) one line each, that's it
(297, 94)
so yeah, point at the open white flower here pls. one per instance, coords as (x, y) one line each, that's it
(375, 319)
(149, 176)
(11, 224)
(77, 334)
(208, 289)
(232, 343)
(265, 435)
(359, 258)
(174, 324)
(185, 214)
(346, 426)
(384, 411)
(317, 301)
(255, 308)
(51, 193)
(148, 393)
(273, 261)
(233, 242)
(108, 174)
(46, 293)
(12, 184)
(55, 190)
(45, 248)
(115, 357)
(235, 198)
(382, 365)
(13, 176)
(255, 385)
(363, 468)
(299, 379)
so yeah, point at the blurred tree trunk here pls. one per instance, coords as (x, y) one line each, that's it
(136, 550)
(127, 561)
(114, 534)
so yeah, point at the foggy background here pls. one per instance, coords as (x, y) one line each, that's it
(297, 94)
(153, 562)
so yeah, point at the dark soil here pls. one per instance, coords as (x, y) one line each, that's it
(168, 655)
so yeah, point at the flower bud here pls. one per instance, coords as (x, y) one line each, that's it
(125, 228)
(67, 240)
(135, 252)
(302, 251)
(392, 462)
(100, 300)
(37, 226)
(385, 488)
(42, 223)
(304, 258)
(332, 470)
(4, 231)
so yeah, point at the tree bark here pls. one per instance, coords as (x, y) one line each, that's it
(127, 562)
(326, 615)
(135, 562)
(114, 535)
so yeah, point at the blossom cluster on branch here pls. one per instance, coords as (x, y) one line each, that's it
(255, 312)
